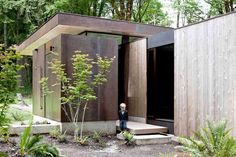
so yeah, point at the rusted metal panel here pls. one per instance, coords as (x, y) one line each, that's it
(52, 101)
(105, 107)
(38, 73)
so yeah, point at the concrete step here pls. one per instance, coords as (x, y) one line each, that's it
(150, 139)
(138, 128)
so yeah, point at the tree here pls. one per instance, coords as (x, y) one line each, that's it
(79, 90)
(84, 7)
(122, 9)
(220, 7)
(191, 11)
(8, 80)
(150, 12)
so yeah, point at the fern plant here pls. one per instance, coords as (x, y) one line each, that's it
(34, 147)
(213, 141)
(129, 137)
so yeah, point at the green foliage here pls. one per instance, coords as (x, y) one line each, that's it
(84, 141)
(212, 141)
(150, 12)
(96, 136)
(129, 137)
(14, 115)
(189, 10)
(8, 80)
(80, 89)
(56, 133)
(3, 154)
(33, 145)
(4, 134)
(18, 116)
(44, 87)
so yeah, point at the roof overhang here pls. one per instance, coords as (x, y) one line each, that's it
(75, 24)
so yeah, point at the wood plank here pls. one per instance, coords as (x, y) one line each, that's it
(205, 74)
(136, 78)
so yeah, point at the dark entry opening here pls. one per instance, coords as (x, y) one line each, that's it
(160, 86)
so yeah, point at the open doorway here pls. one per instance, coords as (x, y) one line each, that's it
(160, 86)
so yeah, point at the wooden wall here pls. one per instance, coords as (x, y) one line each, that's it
(136, 78)
(205, 74)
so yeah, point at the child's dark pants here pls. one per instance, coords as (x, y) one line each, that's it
(123, 125)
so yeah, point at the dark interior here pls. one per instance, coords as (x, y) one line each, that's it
(160, 83)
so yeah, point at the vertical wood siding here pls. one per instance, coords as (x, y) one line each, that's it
(205, 74)
(136, 78)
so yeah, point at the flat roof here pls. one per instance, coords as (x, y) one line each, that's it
(64, 23)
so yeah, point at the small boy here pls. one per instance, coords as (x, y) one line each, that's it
(123, 117)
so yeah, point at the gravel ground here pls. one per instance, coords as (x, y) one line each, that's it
(108, 147)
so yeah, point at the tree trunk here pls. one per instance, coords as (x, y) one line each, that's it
(82, 122)
(5, 32)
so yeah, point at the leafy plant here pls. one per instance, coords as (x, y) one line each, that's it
(79, 90)
(33, 145)
(8, 81)
(3, 154)
(129, 137)
(17, 116)
(84, 141)
(4, 134)
(212, 141)
(96, 136)
(56, 133)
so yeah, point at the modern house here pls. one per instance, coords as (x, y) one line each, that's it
(173, 78)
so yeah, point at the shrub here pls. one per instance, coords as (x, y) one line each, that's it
(56, 133)
(33, 145)
(96, 136)
(212, 141)
(84, 141)
(4, 134)
(81, 89)
(129, 137)
(8, 81)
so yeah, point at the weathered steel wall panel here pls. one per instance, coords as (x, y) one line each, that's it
(38, 73)
(52, 101)
(105, 107)
(205, 74)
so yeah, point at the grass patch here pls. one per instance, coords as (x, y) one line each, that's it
(17, 115)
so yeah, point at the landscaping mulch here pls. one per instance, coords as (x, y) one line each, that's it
(108, 146)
